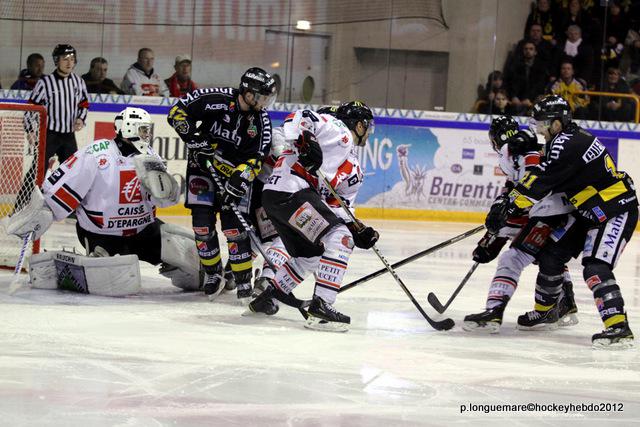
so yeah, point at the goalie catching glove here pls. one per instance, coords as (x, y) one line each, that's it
(155, 179)
(364, 237)
(35, 216)
(309, 152)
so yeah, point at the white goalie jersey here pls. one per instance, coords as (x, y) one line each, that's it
(335, 140)
(102, 187)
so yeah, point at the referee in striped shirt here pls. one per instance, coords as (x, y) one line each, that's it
(64, 94)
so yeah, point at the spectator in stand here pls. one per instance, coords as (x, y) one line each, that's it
(96, 79)
(576, 15)
(579, 52)
(527, 79)
(544, 15)
(545, 50)
(141, 79)
(180, 82)
(567, 86)
(614, 109)
(500, 105)
(29, 76)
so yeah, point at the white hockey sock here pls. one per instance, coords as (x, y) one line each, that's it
(333, 263)
(504, 283)
(293, 272)
(278, 255)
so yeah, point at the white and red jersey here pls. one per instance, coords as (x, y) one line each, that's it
(346, 183)
(101, 185)
(335, 140)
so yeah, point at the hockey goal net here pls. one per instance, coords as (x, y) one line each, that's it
(22, 152)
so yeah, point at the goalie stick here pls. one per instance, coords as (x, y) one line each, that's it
(441, 325)
(413, 257)
(433, 299)
(15, 281)
(292, 301)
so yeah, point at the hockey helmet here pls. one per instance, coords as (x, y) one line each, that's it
(502, 128)
(62, 50)
(329, 109)
(548, 109)
(261, 84)
(354, 112)
(135, 126)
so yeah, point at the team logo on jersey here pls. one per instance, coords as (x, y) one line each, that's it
(103, 161)
(599, 213)
(129, 187)
(232, 106)
(252, 130)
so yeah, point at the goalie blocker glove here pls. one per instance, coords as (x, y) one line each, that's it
(309, 152)
(364, 237)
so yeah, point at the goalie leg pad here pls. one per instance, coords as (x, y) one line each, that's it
(42, 271)
(179, 250)
(115, 276)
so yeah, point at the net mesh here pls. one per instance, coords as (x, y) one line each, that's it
(21, 147)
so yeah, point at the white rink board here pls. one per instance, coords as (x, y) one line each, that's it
(170, 358)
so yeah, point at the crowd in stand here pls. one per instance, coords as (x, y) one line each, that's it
(571, 46)
(140, 78)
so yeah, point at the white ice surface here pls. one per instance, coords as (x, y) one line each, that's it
(171, 358)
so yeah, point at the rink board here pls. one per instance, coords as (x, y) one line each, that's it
(418, 165)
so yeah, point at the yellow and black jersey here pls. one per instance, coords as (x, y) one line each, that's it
(577, 164)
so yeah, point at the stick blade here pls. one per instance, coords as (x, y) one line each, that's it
(444, 325)
(435, 303)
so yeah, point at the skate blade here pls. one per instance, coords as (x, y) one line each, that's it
(215, 295)
(243, 302)
(486, 328)
(568, 320)
(318, 324)
(606, 344)
(541, 327)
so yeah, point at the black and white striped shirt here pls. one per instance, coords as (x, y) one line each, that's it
(65, 98)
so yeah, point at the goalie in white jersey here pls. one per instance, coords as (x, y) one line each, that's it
(114, 186)
(316, 237)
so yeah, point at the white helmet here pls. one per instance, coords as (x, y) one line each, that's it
(135, 126)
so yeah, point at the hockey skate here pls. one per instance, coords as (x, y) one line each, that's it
(212, 285)
(567, 308)
(616, 337)
(260, 285)
(263, 303)
(535, 320)
(244, 293)
(229, 278)
(489, 321)
(324, 317)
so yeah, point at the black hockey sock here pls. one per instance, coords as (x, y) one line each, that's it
(548, 289)
(606, 293)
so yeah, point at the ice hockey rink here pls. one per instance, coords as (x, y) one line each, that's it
(171, 358)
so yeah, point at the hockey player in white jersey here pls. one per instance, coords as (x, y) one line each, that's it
(316, 237)
(519, 152)
(114, 186)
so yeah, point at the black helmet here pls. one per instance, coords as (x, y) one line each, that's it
(502, 128)
(329, 109)
(552, 107)
(261, 84)
(63, 50)
(350, 113)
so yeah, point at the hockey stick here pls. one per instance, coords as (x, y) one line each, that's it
(433, 299)
(15, 281)
(291, 300)
(413, 258)
(441, 325)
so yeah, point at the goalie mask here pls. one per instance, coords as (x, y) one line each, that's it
(134, 126)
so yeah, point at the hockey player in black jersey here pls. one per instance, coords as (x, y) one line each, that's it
(230, 129)
(576, 163)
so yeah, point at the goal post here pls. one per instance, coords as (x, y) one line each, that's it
(23, 132)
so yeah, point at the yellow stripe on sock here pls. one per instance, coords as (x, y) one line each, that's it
(540, 307)
(618, 318)
(209, 262)
(241, 267)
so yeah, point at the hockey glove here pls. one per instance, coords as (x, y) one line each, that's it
(201, 150)
(364, 237)
(488, 248)
(236, 187)
(497, 216)
(309, 152)
(523, 142)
